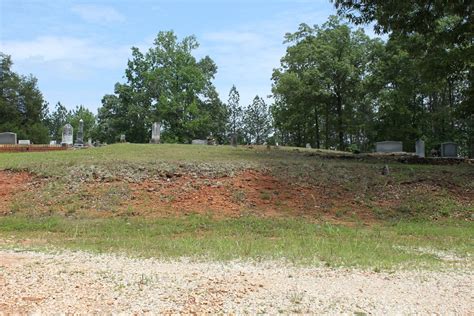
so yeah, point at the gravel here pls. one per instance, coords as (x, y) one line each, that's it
(84, 283)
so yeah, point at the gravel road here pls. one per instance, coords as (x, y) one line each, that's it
(78, 282)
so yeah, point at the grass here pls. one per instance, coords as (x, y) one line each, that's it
(202, 237)
(405, 234)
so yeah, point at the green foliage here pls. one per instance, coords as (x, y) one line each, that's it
(319, 88)
(81, 113)
(235, 115)
(427, 73)
(56, 122)
(22, 108)
(165, 84)
(256, 120)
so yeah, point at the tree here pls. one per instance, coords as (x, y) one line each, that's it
(56, 122)
(235, 114)
(257, 121)
(319, 85)
(22, 107)
(82, 113)
(166, 84)
(437, 38)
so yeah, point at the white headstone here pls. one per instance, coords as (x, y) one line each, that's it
(80, 134)
(308, 145)
(24, 142)
(420, 148)
(67, 137)
(155, 133)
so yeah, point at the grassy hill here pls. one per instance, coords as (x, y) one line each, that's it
(221, 202)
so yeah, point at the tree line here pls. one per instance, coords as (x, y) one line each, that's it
(335, 87)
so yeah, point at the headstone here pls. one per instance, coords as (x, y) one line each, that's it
(211, 140)
(420, 148)
(449, 149)
(389, 147)
(8, 138)
(233, 139)
(89, 142)
(199, 142)
(308, 145)
(53, 142)
(80, 134)
(122, 138)
(155, 133)
(68, 133)
(24, 142)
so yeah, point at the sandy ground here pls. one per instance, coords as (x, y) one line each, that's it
(78, 282)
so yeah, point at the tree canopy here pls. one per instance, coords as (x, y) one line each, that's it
(165, 84)
(22, 107)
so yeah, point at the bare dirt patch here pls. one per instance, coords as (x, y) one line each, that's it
(10, 184)
(249, 192)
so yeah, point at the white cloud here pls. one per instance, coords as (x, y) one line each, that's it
(98, 13)
(72, 55)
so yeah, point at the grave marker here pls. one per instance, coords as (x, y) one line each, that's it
(389, 147)
(7, 138)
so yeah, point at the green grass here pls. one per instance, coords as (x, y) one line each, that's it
(412, 242)
(201, 237)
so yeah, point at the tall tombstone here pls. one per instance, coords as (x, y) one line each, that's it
(8, 138)
(420, 148)
(449, 149)
(68, 133)
(80, 134)
(122, 138)
(155, 133)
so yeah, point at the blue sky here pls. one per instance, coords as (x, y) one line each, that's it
(78, 50)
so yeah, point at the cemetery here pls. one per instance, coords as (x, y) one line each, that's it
(266, 158)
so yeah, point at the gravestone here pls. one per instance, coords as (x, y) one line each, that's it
(449, 149)
(389, 147)
(122, 138)
(308, 145)
(24, 142)
(89, 142)
(420, 148)
(52, 142)
(68, 133)
(7, 138)
(80, 134)
(199, 142)
(155, 133)
(233, 139)
(211, 140)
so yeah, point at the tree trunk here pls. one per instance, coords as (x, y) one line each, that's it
(339, 121)
(327, 126)
(316, 124)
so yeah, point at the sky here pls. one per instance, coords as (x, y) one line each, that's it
(78, 50)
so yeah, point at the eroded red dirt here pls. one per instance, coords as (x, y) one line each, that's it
(250, 192)
(11, 183)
